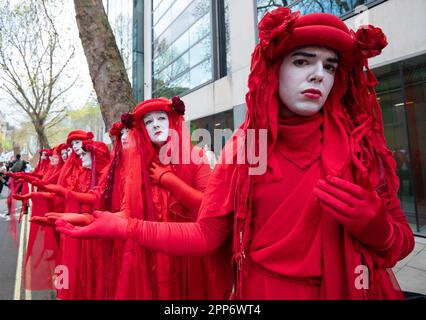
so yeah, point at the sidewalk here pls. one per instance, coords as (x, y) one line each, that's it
(411, 271)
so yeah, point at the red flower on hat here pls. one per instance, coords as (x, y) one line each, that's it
(89, 147)
(127, 120)
(116, 128)
(178, 105)
(275, 23)
(369, 42)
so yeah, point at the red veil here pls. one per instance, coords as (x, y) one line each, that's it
(146, 274)
(41, 255)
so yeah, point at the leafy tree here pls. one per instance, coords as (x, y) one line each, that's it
(33, 64)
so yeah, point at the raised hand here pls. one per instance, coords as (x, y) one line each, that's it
(156, 172)
(22, 197)
(42, 221)
(55, 188)
(106, 226)
(362, 212)
(76, 219)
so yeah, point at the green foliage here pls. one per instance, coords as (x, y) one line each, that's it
(4, 143)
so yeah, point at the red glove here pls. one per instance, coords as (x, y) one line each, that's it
(36, 175)
(42, 221)
(14, 174)
(185, 194)
(35, 181)
(22, 197)
(157, 172)
(57, 189)
(76, 219)
(86, 198)
(362, 212)
(46, 195)
(106, 226)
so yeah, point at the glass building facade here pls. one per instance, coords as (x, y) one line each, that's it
(402, 96)
(126, 20)
(185, 55)
(120, 16)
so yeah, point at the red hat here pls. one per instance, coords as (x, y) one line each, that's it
(79, 135)
(62, 146)
(282, 31)
(100, 151)
(159, 104)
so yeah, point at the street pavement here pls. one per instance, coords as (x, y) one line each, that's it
(12, 254)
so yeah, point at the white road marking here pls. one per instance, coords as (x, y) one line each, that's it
(18, 277)
(27, 217)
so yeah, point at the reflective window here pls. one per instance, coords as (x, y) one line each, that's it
(120, 17)
(220, 121)
(336, 7)
(402, 97)
(182, 46)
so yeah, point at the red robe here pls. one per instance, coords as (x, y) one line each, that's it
(172, 278)
(295, 251)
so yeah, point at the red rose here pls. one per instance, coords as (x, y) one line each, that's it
(89, 147)
(275, 23)
(115, 131)
(369, 42)
(178, 105)
(127, 120)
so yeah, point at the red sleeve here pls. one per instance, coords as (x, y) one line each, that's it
(53, 179)
(401, 241)
(183, 239)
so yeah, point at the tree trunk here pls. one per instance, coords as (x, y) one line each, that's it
(106, 65)
(43, 142)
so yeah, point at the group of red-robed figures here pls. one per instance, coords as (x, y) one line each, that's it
(75, 178)
(323, 222)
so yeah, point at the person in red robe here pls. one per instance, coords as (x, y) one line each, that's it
(322, 220)
(107, 195)
(172, 191)
(80, 173)
(41, 253)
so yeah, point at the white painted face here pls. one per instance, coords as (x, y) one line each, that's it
(86, 159)
(69, 151)
(125, 137)
(157, 126)
(77, 146)
(306, 78)
(64, 154)
(43, 155)
(54, 160)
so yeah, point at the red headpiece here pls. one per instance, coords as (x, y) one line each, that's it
(79, 135)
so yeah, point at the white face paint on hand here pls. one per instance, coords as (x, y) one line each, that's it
(69, 151)
(64, 154)
(306, 78)
(54, 160)
(157, 126)
(86, 159)
(77, 146)
(43, 155)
